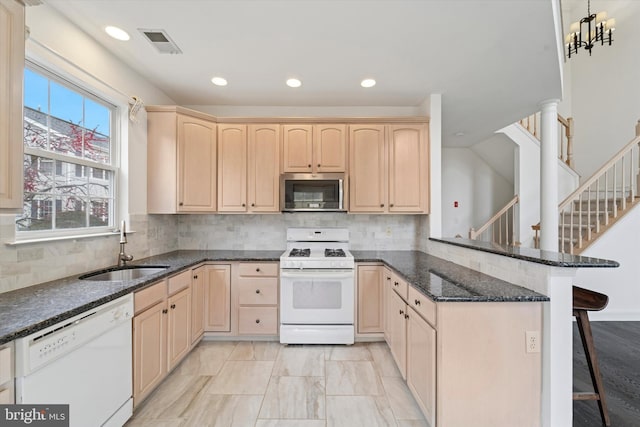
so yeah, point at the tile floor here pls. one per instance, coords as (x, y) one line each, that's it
(266, 384)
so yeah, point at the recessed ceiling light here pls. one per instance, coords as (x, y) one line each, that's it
(294, 83)
(219, 81)
(368, 83)
(117, 33)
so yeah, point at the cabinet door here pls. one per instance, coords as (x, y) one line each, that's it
(330, 148)
(179, 338)
(149, 350)
(264, 170)
(408, 169)
(197, 304)
(398, 331)
(370, 297)
(232, 168)
(367, 171)
(421, 364)
(11, 72)
(217, 293)
(387, 286)
(297, 148)
(196, 165)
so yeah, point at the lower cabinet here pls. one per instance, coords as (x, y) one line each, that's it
(6, 374)
(161, 332)
(197, 304)
(421, 364)
(257, 303)
(217, 294)
(370, 310)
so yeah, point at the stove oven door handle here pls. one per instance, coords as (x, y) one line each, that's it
(317, 274)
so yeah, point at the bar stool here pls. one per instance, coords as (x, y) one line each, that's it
(584, 301)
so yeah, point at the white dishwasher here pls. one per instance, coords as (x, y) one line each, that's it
(84, 361)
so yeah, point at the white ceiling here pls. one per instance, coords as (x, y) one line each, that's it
(493, 61)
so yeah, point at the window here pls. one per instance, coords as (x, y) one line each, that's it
(69, 168)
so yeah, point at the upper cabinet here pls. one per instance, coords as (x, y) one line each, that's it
(181, 162)
(11, 75)
(314, 148)
(248, 168)
(389, 168)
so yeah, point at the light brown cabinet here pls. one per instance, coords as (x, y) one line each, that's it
(389, 168)
(181, 161)
(7, 374)
(314, 148)
(370, 310)
(397, 334)
(197, 304)
(217, 294)
(161, 332)
(248, 171)
(12, 35)
(421, 364)
(257, 290)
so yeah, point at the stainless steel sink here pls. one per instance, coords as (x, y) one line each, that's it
(118, 274)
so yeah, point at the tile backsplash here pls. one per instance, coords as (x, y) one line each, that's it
(28, 264)
(268, 232)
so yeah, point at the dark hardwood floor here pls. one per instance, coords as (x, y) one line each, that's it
(618, 350)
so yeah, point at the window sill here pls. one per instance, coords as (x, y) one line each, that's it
(60, 238)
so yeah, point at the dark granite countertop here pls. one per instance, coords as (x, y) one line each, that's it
(445, 281)
(554, 259)
(30, 309)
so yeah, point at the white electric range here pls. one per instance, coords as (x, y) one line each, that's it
(317, 287)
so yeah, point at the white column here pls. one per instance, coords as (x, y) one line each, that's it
(549, 175)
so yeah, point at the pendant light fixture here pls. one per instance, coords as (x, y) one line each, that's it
(593, 28)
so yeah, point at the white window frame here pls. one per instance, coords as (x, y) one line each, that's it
(114, 166)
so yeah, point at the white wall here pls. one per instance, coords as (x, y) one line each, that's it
(620, 243)
(478, 189)
(605, 94)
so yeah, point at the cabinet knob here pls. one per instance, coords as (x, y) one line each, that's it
(173, 306)
(180, 204)
(258, 269)
(318, 164)
(406, 316)
(388, 278)
(401, 312)
(395, 284)
(391, 205)
(257, 291)
(243, 205)
(382, 205)
(195, 277)
(416, 302)
(165, 311)
(257, 320)
(309, 165)
(253, 204)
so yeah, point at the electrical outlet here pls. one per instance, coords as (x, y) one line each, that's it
(388, 231)
(532, 341)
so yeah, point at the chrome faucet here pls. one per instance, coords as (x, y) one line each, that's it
(122, 256)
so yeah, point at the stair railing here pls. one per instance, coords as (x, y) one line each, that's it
(565, 135)
(499, 229)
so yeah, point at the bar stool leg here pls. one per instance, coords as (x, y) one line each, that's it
(584, 327)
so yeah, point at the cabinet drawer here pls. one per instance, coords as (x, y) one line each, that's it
(179, 282)
(423, 305)
(258, 291)
(258, 320)
(400, 286)
(258, 269)
(149, 296)
(6, 365)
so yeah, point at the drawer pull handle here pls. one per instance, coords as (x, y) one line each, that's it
(257, 291)
(401, 312)
(258, 269)
(195, 277)
(173, 306)
(257, 320)
(165, 311)
(406, 316)
(396, 284)
(417, 302)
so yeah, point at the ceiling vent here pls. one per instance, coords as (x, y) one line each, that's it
(161, 41)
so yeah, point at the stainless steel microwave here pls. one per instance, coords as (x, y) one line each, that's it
(306, 192)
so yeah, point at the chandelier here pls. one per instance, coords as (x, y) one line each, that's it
(598, 29)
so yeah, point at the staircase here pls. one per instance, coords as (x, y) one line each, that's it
(604, 198)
